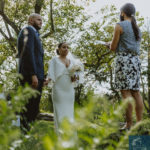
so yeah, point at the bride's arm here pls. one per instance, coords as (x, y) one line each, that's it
(51, 70)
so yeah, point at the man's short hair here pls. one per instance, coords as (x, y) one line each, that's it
(33, 15)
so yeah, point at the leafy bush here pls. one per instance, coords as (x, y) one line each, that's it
(9, 133)
(96, 127)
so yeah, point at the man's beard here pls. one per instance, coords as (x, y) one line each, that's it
(36, 26)
(121, 18)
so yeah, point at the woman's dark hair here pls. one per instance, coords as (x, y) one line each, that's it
(129, 10)
(59, 46)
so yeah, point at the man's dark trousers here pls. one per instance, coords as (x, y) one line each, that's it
(32, 106)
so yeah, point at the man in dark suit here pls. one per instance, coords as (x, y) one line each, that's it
(31, 66)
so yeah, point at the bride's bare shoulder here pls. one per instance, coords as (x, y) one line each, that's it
(54, 58)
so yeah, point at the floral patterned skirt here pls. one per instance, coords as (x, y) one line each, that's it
(127, 71)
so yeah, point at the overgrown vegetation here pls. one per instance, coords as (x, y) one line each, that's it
(96, 127)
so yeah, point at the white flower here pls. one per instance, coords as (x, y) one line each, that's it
(75, 68)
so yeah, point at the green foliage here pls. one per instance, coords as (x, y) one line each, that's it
(46, 100)
(145, 53)
(7, 131)
(15, 9)
(141, 128)
(8, 110)
(96, 57)
(35, 140)
(96, 127)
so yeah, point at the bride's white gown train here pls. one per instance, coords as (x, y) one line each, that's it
(62, 91)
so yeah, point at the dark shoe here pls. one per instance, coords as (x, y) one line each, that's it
(124, 128)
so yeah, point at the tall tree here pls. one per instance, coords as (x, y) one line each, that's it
(146, 67)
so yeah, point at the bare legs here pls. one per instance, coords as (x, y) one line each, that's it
(138, 105)
(126, 94)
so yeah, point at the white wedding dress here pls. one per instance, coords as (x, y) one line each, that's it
(62, 91)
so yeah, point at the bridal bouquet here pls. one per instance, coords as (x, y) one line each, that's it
(75, 68)
(75, 71)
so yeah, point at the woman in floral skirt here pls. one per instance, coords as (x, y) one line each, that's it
(126, 43)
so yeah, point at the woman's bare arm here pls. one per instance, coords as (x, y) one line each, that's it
(117, 32)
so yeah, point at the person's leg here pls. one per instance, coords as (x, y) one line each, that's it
(126, 94)
(24, 123)
(29, 115)
(38, 98)
(139, 104)
(33, 105)
(24, 126)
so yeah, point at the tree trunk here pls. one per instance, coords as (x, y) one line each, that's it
(38, 6)
(112, 86)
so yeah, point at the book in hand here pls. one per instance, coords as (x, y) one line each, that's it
(101, 43)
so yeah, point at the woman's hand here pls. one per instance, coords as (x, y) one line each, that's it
(74, 78)
(46, 81)
(107, 44)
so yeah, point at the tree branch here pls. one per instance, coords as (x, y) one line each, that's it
(51, 16)
(8, 21)
(111, 84)
(4, 35)
(47, 34)
(8, 30)
(10, 40)
(52, 21)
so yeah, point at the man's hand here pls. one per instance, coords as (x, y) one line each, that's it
(34, 81)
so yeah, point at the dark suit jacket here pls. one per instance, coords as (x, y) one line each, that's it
(30, 53)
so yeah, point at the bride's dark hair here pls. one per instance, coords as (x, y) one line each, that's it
(59, 46)
(129, 10)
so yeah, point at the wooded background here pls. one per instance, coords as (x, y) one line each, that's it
(68, 21)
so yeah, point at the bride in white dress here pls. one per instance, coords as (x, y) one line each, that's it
(63, 93)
